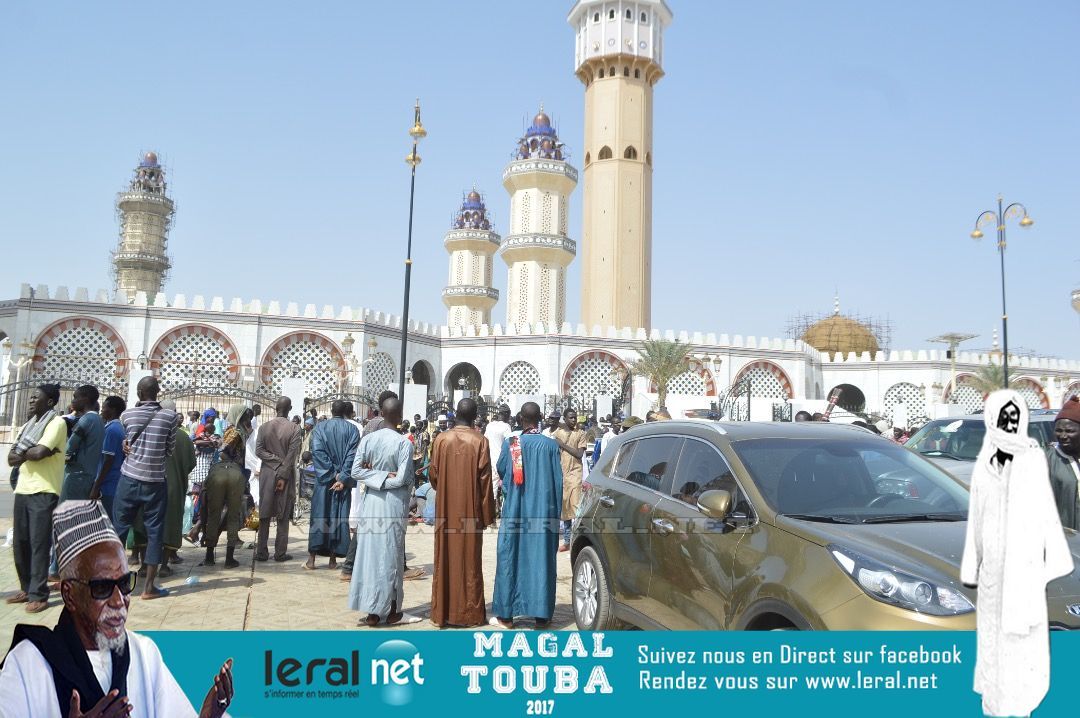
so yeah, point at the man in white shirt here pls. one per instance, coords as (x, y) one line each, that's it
(496, 434)
(89, 663)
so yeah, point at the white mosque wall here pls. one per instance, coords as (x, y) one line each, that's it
(512, 360)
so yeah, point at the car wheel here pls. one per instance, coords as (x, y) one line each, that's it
(592, 594)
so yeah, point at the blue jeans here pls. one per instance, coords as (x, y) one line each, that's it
(566, 531)
(152, 498)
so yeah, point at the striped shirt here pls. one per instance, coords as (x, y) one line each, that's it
(146, 462)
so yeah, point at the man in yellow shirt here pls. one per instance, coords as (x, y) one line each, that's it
(39, 456)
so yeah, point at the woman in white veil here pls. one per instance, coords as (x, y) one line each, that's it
(1015, 545)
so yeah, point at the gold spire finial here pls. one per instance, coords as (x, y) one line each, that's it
(417, 132)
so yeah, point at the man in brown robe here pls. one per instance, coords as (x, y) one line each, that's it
(277, 445)
(460, 474)
(572, 442)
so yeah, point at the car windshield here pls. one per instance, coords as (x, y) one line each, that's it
(962, 438)
(850, 480)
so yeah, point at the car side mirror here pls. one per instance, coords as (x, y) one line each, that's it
(716, 504)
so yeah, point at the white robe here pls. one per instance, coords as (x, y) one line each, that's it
(27, 688)
(496, 434)
(1014, 546)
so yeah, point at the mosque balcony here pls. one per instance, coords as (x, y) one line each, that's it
(539, 247)
(477, 240)
(130, 258)
(469, 295)
(471, 290)
(553, 175)
(145, 198)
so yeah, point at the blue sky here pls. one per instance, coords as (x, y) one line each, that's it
(800, 149)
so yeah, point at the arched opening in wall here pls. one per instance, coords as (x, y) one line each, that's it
(626, 71)
(851, 398)
(644, 17)
(630, 153)
(595, 373)
(611, 71)
(80, 348)
(913, 401)
(964, 394)
(1033, 393)
(611, 15)
(605, 153)
(596, 17)
(195, 356)
(629, 14)
(467, 372)
(697, 380)
(1073, 390)
(648, 158)
(637, 74)
(518, 378)
(600, 75)
(422, 373)
(311, 356)
(767, 380)
(588, 159)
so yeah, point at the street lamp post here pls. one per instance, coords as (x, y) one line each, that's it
(999, 217)
(412, 159)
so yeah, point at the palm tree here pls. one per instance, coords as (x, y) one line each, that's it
(989, 379)
(661, 361)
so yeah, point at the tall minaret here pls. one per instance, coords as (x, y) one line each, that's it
(472, 244)
(619, 50)
(537, 250)
(140, 262)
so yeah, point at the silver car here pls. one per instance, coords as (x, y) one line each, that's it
(954, 443)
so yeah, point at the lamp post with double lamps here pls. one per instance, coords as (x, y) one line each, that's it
(412, 159)
(1003, 213)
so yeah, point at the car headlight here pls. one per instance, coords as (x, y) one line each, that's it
(897, 588)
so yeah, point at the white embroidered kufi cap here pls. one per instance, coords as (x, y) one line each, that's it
(78, 525)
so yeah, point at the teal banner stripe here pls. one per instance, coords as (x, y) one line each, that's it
(385, 672)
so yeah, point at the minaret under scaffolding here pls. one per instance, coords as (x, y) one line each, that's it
(141, 261)
(472, 244)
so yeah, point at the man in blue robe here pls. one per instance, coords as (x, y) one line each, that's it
(333, 446)
(384, 465)
(529, 531)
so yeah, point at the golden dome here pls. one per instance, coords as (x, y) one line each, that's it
(841, 334)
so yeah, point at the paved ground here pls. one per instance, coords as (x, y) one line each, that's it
(261, 595)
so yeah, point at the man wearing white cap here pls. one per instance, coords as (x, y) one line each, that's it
(90, 664)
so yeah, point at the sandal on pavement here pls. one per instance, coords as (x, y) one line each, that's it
(19, 597)
(402, 619)
(494, 621)
(161, 592)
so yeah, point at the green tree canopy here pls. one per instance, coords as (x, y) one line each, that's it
(661, 361)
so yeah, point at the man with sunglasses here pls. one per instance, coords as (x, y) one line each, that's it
(89, 664)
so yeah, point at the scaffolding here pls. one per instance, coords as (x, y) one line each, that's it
(844, 333)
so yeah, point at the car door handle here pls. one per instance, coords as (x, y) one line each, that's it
(607, 501)
(663, 526)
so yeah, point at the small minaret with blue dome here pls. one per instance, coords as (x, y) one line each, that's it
(472, 244)
(537, 249)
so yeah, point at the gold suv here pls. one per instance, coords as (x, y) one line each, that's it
(700, 525)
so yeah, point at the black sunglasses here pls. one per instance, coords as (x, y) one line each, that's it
(101, 589)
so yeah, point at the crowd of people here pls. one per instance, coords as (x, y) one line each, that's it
(162, 478)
